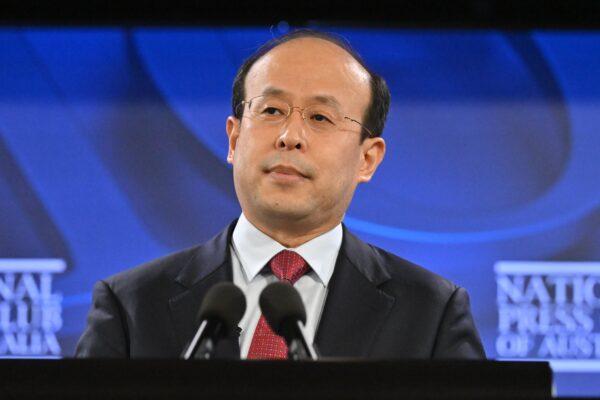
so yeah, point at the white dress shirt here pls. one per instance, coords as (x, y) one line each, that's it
(251, 250)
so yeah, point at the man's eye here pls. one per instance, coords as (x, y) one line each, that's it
(320, 118)
(272, 111)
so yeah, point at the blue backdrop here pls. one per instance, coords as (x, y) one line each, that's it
(112, 152)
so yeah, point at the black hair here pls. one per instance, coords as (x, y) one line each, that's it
(377, 110)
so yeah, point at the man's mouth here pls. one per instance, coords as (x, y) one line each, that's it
(287, 170)
(286, 174)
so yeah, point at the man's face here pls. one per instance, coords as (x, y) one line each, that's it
(287, 173)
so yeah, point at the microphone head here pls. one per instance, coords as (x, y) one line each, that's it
(281, 303)
(224, 302)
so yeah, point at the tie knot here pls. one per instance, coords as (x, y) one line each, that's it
(288, 265)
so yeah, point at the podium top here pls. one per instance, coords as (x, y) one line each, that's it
(339, 379)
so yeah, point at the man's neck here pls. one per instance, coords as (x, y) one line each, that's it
(291, 235)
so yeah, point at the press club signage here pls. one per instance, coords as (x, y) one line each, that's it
(550, 311)
(30, 311)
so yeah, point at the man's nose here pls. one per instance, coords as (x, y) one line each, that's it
(293, 133)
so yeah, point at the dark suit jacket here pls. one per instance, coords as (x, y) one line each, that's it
(378, 306)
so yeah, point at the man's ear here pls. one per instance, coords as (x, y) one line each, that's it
(372, 153)
(232, 127)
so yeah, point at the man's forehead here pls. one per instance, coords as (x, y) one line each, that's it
(310, 49)
(304, 60)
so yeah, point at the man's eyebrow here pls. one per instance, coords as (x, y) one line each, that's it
(326, 99)
(273, 91)
(323, 98)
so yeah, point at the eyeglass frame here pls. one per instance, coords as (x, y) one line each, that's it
(301, 110)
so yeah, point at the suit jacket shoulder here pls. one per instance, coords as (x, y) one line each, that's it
(151, 276)
(149, 310)
(405, 274)
(382, 306)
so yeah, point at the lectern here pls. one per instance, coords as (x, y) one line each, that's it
(333, 379)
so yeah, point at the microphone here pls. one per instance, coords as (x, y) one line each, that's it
(283, 309)
(222, 309)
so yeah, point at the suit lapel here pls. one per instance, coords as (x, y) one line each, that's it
(210, 264)
(355, 308)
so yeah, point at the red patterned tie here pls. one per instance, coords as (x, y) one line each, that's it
(289, 266)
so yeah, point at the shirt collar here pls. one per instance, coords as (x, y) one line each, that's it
(254, 250)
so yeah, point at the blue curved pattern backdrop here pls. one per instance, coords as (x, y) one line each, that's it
(112, 152)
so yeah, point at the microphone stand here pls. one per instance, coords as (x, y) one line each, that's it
(204, 341)
(298, 346)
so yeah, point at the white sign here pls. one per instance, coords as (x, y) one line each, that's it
(30, 313)
(549, 311)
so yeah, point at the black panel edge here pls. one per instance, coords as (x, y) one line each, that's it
(502, 14)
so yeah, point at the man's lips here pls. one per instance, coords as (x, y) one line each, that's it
(286, 170)
(286, 175)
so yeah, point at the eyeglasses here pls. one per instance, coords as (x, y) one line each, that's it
(272, 110)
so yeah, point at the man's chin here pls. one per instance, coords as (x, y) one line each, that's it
(286, 211)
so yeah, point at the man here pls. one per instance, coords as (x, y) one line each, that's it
(308, 115)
